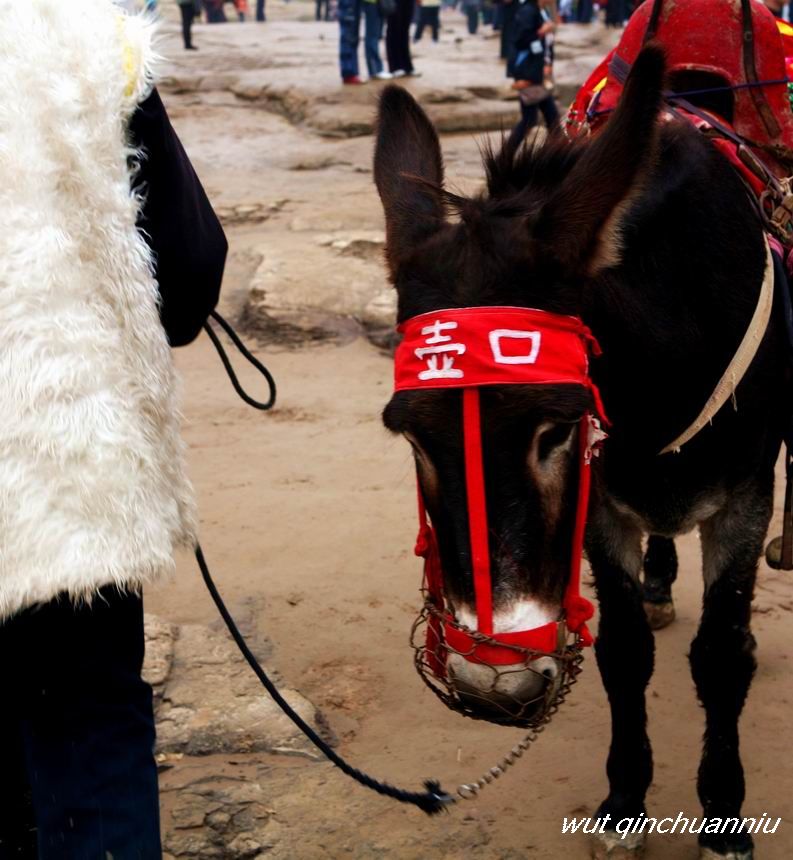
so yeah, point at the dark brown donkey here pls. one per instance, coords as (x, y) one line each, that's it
(647, 234)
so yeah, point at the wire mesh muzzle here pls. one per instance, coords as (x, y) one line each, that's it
(496, 696)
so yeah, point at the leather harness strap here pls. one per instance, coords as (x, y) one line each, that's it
(750, 71)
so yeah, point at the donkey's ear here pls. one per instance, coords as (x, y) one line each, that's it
(408, 172)
(582, 222)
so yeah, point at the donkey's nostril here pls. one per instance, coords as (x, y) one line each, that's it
(547, 667)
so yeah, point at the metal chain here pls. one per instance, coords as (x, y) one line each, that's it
(470, 790)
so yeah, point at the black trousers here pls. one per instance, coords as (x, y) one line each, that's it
(429, 16)
(508, 11)
(529, 115)
(260, 16)
(78, 779)
(188, 14)
(397, 37)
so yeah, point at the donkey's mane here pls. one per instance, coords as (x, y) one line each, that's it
(511, 169)
(517, 178)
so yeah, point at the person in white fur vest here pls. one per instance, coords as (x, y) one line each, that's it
(110, 254)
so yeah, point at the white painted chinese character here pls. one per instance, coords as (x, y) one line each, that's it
(499, 334)
(440, 346)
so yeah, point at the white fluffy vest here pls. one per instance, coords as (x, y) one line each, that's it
(92, 482)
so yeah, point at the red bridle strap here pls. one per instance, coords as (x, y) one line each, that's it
(477, 511)
(468, 348)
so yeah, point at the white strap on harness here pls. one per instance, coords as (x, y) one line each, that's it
(741, 360)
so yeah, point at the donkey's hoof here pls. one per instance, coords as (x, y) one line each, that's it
(773, 554)
(732, 854)
(609, 845)
(660, 615)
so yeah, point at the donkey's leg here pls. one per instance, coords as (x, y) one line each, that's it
(660, 571)
(625, 650)
(722, 655)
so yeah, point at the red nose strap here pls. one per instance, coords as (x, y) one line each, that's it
(468, 348)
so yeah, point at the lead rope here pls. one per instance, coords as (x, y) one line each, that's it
(247, 355)
(433, 799)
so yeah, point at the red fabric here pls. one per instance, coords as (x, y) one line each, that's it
(464, 347)
(477, 511)
(543, 638)
(543, 348)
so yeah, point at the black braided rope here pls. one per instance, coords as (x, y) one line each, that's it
(247, 355)
(432, 800)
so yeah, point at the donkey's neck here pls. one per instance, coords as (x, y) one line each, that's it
(670, 317)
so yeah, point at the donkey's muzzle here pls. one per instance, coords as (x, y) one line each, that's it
(520, 687)
(498, 692)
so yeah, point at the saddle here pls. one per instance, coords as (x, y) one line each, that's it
(733, 48)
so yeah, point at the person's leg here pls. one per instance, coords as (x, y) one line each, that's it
(551, 114)
(528, 119)
(472, 14)
(408, 8)
(392, 42)
(88, 730)
(422, 23)
(373, 32)
(17, 822)
(507, 18)
(349, 27)
(435, 20)
(187, 12)
(260, 16)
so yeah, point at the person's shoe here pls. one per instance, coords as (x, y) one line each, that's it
(383, 76)
(352, 80)
(414, 74)
(190, 48)
(399, 73)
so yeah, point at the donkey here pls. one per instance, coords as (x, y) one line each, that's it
(647, 234)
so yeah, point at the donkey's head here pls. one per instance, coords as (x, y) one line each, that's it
(550, 221)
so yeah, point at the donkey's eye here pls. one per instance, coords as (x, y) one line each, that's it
(550, 437)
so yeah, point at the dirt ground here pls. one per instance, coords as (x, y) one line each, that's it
(308, 520)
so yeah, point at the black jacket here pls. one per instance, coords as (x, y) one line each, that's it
(179, 224)
(528, 48)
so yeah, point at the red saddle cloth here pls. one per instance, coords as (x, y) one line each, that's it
(705, 36)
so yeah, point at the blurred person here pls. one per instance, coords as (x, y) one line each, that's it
(260, 15)
(779, 8)
(110, 254)
(529, 69)
(350, 12)
(506, 18)
(321, 10)
(242, 9)
(213, 11)
(188, 10)
(550, 13)
(584, 12)
(472, 9)
(397, 40)
(429, 16)
(616, 13)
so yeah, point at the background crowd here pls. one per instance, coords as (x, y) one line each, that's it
(525, 31)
